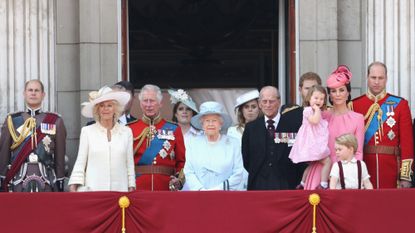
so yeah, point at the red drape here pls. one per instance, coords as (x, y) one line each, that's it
(256, 212)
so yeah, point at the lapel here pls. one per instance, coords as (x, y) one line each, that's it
(261, 138)
(261, 133)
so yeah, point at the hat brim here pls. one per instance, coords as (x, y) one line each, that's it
(227, 120)
(252, 95)
(121, 97)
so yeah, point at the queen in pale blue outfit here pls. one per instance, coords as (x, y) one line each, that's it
(213, 160)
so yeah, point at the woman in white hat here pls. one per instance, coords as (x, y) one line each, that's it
(183, 110)
(213, 160)
(247, 110)
(105, 156)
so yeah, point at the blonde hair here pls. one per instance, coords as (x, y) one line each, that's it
(117, 113)
(310, 92)
(348, 140)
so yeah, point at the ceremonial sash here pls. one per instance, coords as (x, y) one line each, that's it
(374, 124)
(26, 149)
(155, 146)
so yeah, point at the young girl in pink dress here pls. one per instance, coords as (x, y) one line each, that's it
(311, 143)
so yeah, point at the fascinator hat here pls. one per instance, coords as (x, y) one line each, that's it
(212, 108)
(246, 97)
(339, 77)
(182, 97)
(103, 94)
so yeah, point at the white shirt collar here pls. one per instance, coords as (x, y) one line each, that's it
(122, 119)
(276, 119)
(354, 160)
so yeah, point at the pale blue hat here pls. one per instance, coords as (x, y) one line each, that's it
(212, 107)
(181, 96)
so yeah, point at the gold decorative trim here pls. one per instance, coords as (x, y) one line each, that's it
(406, 169)
(124, 203)
(314, 200)
(289, 109)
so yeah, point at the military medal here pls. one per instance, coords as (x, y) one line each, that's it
(165, 134)
(152, 132)
(391, 135)
(33, 158)
(163, 153)
(172, 155)
(46, 142)
(48, 128)
(288, 138)
(390, 121)
(166, 145)
(291, 139)
(277, 138)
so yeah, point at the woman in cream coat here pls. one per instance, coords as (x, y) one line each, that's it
(105, 157)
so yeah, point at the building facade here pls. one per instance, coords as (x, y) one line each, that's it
(75, 46)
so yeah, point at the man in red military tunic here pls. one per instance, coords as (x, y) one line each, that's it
(388, 149)
(159, 152)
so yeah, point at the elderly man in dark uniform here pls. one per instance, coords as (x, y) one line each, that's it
(159, 151)
(266, 144)
(388, 147)
(32, 146)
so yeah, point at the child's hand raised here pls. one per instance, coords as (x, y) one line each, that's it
(316, 108)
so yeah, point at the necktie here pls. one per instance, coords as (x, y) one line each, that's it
(271, 128)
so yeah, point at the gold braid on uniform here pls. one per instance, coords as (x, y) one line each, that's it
(375, 108)
(28, 126)
(406, 169)
(148, 132)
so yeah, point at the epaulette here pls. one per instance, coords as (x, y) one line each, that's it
(16, 114)
(172, 122)
(288, 109)
(399, 97)
(133, 121)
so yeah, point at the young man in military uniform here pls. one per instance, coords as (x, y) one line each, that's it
(32, 146)
(159, 151)
(388, 147)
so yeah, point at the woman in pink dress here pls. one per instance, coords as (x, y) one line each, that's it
(312, 138)
(340, 120)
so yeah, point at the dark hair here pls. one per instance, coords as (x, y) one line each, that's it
(35, 80)
(309, 76)
(349, 89)
(310, 92)
(127, 85)
(175, 107)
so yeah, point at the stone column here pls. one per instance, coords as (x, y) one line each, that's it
(391, 39)
(27, 37)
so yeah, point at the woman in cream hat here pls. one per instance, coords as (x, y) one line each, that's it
(213, 160)
(105, 156)
(247, 110)
(183, 110)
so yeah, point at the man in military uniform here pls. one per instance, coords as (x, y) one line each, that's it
(159, 152)
(388, 147)
(32, 146)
